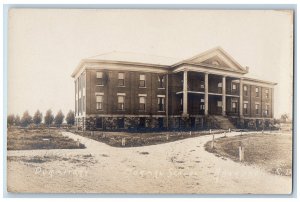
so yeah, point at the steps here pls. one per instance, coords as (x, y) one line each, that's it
(223, 122)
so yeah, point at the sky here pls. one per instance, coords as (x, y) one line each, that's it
(46, 45)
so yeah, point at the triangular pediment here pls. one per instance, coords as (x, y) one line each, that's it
(217, 58)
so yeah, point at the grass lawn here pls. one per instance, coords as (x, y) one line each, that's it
(27, 139)
(272, 152)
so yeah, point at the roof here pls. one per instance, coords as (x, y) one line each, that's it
(117, 56)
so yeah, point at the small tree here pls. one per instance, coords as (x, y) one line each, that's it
(10, 120)
(37, 118)
(26, 119)
(59, 118)
(70, 118)
(17, 121)
(49, 118)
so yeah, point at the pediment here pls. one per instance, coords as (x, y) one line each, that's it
(218, 58)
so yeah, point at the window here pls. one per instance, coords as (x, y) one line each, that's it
(257, 92)
(99, 76)
(121, 99)
(142, 101)
(181, 104)
(267, 110)
(99, 102)
(161, 81)
(234, 105)
(245, 108)
(257, 108)
(219, 85)
(202, 107)
(142, 80)
(219, 104)
(246, 90)
(202, 84)
(161, 104)
(234, 87)
(121, 80)
(267, 93)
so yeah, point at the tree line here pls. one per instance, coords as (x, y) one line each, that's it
(49, 119)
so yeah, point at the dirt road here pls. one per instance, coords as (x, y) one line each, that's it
(176, 167)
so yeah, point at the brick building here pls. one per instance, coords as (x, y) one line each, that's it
(131, 91)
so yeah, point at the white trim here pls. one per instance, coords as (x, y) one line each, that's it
(246, 102)
(99, 93)
(121, 94)
(161, 95)
(142, 95)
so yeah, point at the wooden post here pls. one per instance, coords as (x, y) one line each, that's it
(229, 130)
(209, 131)
(190, 133)
(78, 143)
(123, 142)
(213, 141)
(167, 136)
(241, 153)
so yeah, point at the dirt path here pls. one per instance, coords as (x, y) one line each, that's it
(176, 167)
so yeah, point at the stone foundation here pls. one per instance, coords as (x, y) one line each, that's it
(174, 123)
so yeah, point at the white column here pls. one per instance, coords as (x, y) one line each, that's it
(206, 94)
(224, 95)
(241, 98)
(185, 93)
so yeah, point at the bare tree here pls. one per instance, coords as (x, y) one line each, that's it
(70, 118)
(37, 118)
(59, 118)
(26, 119)
(49, 118)
(10, 120)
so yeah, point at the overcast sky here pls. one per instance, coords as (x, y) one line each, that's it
(45, 46)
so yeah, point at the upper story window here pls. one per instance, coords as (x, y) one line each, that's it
(233, 87)
(161, 81)
(99, 102)
(121, 79)
(267, 93)
(257, 108)
(220, 85)
(202, 84)
(142, 80)
(246, 90)
(142, 101)
(257, 91)
(99, 77)
(121, 101)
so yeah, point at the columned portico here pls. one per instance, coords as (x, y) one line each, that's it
(206, 94)
(224, 95)
(185, 93)
(241, 98)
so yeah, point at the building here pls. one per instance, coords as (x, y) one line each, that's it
(132, 91)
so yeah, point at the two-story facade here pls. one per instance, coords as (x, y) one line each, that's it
(129, 91)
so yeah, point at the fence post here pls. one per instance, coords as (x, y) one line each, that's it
(78, 143)
(167, 136)
(229, 130)
(123, 142)
(190, 133)
(241, 153)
